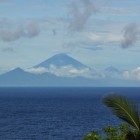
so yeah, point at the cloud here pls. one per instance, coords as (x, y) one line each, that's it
(65, 71)
(11, 32)
(7, 35)
(81, 11)
(70, 71)
(104, 37)
(38, 70)
(131, 35)
(85, 44)
(90, 45)
(32, 30)
(132, 74)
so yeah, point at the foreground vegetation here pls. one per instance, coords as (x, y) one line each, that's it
(126, 110)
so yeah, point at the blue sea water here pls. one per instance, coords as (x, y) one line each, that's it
(55, 113)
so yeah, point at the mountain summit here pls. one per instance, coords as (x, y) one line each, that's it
(60, 60)
(112, 69)
(65, 72)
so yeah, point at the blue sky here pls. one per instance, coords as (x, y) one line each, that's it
(98, 33)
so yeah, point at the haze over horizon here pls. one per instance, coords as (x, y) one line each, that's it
(99, 33)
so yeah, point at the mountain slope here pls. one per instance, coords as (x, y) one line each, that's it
(19, 77)
(16, 77)
(60, 60)
(112, 69)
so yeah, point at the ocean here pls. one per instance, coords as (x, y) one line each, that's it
(56, 113)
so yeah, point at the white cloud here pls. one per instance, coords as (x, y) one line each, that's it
(68, 71)
(38, 70)
(132, 74)
(65, 71)
(105, 37)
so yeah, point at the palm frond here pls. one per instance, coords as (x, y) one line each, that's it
(124, 109)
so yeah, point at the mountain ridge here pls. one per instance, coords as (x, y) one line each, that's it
(60, 60)
(19, 77)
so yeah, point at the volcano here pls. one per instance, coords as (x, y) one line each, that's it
(60, 60)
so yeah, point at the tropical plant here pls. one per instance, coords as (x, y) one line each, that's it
(94, 135)
(109, 133)
(126, 110)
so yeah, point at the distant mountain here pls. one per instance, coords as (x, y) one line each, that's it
(16, 77)
(112, 72)
(15, 73)
(60, 60)
(20, 78)
(112, 69)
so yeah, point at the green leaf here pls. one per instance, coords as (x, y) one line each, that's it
(124, 109)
